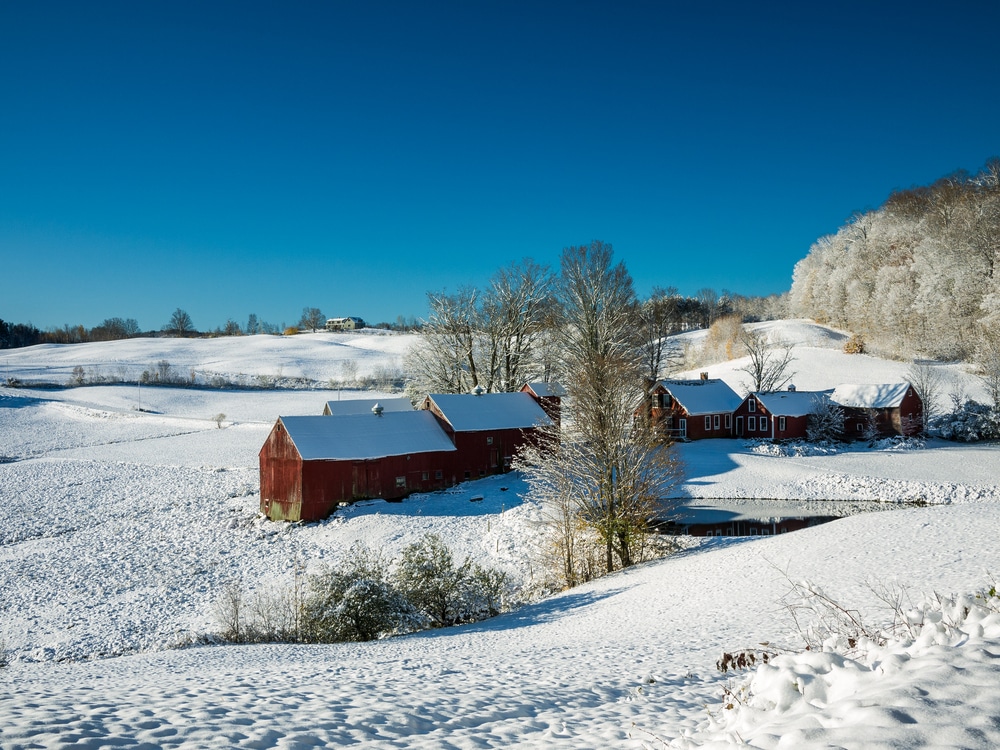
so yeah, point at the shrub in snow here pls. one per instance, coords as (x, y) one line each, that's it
(968, 422)
(355, 602)
(431, 581)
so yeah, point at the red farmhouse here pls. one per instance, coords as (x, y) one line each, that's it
(891, 409)
(780, 415)
(693, 409)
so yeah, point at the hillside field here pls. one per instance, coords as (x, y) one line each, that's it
(128, 508)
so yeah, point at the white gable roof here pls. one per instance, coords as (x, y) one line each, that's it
(361, 436)
(490, 411)
(703, 396)
(792, 403)
(884, 396)
(364, 405)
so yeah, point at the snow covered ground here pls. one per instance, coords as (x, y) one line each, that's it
(121, 526)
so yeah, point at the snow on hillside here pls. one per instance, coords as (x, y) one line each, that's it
(316, 357)
(820, 362)
(120, 527)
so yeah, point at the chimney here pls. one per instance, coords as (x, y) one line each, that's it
(377, 409)
(791, 387)
(704, 376)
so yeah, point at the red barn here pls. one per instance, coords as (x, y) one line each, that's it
(549, 397)
(308, 465)
(486, 428)
(693, 409)
(886, 409)
(780, 415)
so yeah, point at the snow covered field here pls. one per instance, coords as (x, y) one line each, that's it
(121, 526)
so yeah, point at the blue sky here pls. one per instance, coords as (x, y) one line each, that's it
(246, 157)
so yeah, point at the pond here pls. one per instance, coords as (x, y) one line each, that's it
(758, 517)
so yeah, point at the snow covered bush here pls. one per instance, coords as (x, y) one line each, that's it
(354, 602)
(968, 422)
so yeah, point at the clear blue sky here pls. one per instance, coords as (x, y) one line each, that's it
(247, 157)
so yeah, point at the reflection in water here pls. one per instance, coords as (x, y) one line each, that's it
(757, 517)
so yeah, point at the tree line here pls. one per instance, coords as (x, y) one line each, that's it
(916, 275)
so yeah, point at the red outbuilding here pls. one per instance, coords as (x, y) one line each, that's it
(779, 415)
(885, 409)
(487, 428)
(309, 465)
(693, 409)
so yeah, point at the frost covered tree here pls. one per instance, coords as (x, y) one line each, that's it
(929, 385)
(605, 469)
(658, 318)
(491, 338)
(915, 275)
(825, 422)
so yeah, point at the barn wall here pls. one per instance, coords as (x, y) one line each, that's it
(280, 476)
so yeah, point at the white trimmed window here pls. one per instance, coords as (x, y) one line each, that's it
(781, 423)
(716, 421)
(708, 423)
(751, 423)
(729, 421)
(752, 405)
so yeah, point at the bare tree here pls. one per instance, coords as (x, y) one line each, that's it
(769, 365)
(180, 323)
(311, 318)
(607, 466)
(514, 315)
(825, 421)
(444, 359)
(658, 319)
(929, 385)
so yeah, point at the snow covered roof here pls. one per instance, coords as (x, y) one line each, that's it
(364, 405)
(703, 396)
(884, 396)
(792, 403)
(542, 389)
(490, 411)
(360, 436)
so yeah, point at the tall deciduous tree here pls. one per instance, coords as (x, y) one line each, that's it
(180, 323)
(312, 318)
(606, 465)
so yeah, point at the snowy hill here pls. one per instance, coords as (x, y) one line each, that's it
(121, 526)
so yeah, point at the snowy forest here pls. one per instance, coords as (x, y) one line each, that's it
(917, 274)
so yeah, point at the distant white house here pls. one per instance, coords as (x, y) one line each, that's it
(344, 324)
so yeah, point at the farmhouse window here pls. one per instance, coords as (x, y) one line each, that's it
(751, 423)
(729, 421)
(716, 420)
(657, 400)
(781, 423)
(400, 481)
(489, 440)
(708, 423)
(468, 475)
(438, 474)
(425, 476)
(752, 407)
